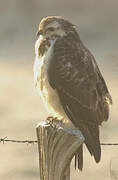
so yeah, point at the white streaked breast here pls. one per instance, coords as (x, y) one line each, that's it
(48, 94)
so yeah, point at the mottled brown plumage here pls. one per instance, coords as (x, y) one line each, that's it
(72, 71)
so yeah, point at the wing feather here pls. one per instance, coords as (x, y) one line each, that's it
(82, 90)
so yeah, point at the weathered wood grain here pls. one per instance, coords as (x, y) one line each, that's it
(57, 145)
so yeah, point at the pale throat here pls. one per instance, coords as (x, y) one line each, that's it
(43, 45)
(47, 41)
(37, 44)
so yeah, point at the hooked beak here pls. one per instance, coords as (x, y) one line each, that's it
(40, 32)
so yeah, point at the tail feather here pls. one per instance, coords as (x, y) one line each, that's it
(92, 142)
(93, 145)
(79, 158)
(97, 148)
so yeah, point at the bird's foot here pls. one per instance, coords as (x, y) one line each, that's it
(50, 119)
(54, 121)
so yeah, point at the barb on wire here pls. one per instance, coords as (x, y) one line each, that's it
(3, 140)
(109, 144)
(17, 141)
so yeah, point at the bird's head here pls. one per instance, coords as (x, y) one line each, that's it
(54, 26)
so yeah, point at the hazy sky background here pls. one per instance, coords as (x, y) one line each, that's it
(21, 108)
(96, 21)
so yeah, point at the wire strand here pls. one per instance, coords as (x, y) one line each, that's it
(3, 140)
(17, 141)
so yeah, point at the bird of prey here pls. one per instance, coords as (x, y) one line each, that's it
(70, 82)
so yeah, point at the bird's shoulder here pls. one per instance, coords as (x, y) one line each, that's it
(72, 62)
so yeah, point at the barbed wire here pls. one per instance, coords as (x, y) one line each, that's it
(109, 144)
(3, 140)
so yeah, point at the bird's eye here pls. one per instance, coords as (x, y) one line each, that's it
(51, 29)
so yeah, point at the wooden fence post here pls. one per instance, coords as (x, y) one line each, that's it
(57, 145)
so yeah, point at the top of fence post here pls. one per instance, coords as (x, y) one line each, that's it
(57, 145)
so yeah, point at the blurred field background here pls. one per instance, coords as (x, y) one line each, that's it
(20, 106)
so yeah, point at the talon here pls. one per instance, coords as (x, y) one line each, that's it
(49, 118)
